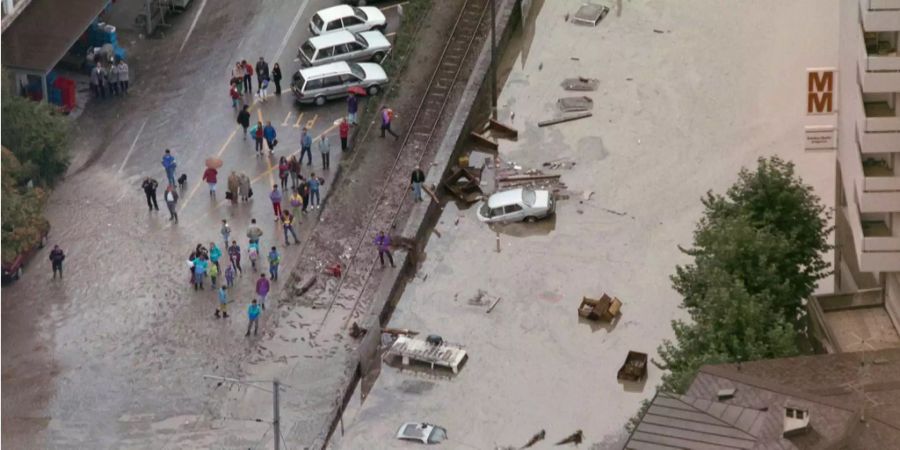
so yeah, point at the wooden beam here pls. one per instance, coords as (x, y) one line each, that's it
(564, 119)
(484, 141)
(497, 126)
(515, 178)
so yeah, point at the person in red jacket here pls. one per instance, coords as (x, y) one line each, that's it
(248, 77)
(209, 176)
(344, 130)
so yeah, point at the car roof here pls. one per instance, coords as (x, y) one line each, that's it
(331, 39)
(335, 12)
(335, 68)
(504, 198)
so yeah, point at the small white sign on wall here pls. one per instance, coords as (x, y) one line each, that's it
(821, 137)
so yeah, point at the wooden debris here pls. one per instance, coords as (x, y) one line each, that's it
(431, 194)
(536, 438)
(516, 178)
(557, 120)
(399, 331)
(502, 128)
(484, 140)
(494, 305)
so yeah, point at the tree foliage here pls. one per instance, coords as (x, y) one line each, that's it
(757, 255)
(37, 136)
(22, 224)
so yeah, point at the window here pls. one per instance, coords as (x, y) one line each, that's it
(355, 47)
(360, 13)
(334, 80)
(496, 212)
(326, 52)
(333, 25)
(308, 50)
(355, 69)
(317, 21)
(313, 84)
(340, 50)
(509, 209)
(348, 79)
(350, 21)
(529, 197)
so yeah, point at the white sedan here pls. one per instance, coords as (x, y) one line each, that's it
(515, 205)
(344, 17)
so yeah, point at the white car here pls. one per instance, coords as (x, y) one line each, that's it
(344, 17)
(321, 83)
(344, 46)
(425, 433)
(515, 205)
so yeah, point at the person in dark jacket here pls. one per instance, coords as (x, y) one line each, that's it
(276, 77)
(56, 259)
(417, 178)
(248, 77)
(352, 108)
(262, 72)
(243, 118)
(149, 185)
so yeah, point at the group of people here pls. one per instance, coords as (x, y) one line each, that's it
(242, 80)
(110, 78)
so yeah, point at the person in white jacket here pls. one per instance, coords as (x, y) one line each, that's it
(123, 76)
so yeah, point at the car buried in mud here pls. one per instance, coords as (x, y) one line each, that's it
(516, 205)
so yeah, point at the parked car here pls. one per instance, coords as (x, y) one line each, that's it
(425, 433)
(362, 2)
(515, 205)
(344, 46)
(13, 269)
(318, 84)
(344, 17)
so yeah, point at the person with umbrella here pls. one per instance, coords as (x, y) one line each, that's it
(352, 107)
(211, 174)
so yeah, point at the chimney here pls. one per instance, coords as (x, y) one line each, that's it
(796, 421)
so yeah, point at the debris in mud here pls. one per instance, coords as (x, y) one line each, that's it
(494, 305)
(590, 14)
(614, 212)
(334, 270)
(586, 195)
(580, 84)
(357, 331)
(399, 331)
(554, 121)
(562, 163)
(445, 354)
(605, 308)
(425, 433)
(464, 183)
(574, 438)
(535, 439)
(574, 104)
(301, 288)
(478, 299)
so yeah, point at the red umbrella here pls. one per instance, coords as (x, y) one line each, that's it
(213, 163)
(358, 90)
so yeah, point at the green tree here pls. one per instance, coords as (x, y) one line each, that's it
(23, 225)
(37, 136)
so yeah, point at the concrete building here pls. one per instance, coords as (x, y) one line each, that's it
(11, 10)
(867, 260)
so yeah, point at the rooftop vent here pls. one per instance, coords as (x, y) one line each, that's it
(796, 421)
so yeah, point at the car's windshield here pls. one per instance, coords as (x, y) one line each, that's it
(317, 21)
(361, 40)
(360, 13)
(308, 50)
(485, 210)
(437, 435)
(355, 69)
(529, 197)
(298, 80)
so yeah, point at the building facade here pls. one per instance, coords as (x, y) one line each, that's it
(868, 203)
(11, 10)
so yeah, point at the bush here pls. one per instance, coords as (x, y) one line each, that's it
(23, 225)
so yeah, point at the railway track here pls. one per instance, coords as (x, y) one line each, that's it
(418, 135)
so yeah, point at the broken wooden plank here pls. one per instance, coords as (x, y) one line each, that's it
(494, 305)
(431, 194)
(484, 141)
(516, 178)
(503, 128)
(564, 119)
(399, 331)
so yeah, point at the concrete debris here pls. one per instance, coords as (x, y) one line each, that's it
(658, 31)
(557, 120)
(535, 439)
(586, 195)
(399, 332)
(574, 104)
(574, 438)
(478, 299)
(301, 288)
(580, 84)
(562, 163)
(357, 331)
(590, 14)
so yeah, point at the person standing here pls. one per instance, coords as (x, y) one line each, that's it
(296, 202)
(56, 259)
(294, 167)
(325, 150)
(253, 315)
(258, 134)
(235, 96)
(417, 178)
(313, 183)
(96, 73)
(263, 91)
(112, 80)
(276, 77)
(304, 193)
(232, 188)
(234, 253)
(274, 261)
(352, 108)
(244, 186)
(344, 131)
(248, 77)
(225, 231)
(262, 72)
(168, 163)
(123, 76)
(237, 76)
(387, 117)
(383, 243)
(305, 146)
(214, 254)
(284, 170)
(275, 196)
(269, 134)
(210, 176)
(229, 275)
(262, 289)
(213, 270)
(149, 185)
(171, 200)
(254, 233)
(287, 222)
(200, 265)
(223, 302)
(243, 118)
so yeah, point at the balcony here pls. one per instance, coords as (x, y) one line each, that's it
(881, 117)
(877, 141)
(880, 15)
(880, 187)
(880, 247)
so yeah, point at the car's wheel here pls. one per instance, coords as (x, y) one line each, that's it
(531, 219)
(377, 57)
(320, 100)
(374, 89)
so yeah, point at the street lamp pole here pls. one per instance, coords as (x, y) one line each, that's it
(276, 405)
(493, 59)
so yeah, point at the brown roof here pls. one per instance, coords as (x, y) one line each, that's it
(44, 32)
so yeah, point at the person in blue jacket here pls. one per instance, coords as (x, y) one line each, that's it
(269, 134)
(168, 163)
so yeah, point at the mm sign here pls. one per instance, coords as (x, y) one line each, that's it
(820, 97)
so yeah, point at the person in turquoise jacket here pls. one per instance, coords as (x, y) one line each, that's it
(199, 272)
(215, 254)
(253, 314)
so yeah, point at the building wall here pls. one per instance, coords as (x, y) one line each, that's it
(11, 10)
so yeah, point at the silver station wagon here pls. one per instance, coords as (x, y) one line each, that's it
(515, 205)
(321, 83)
(344, 46)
